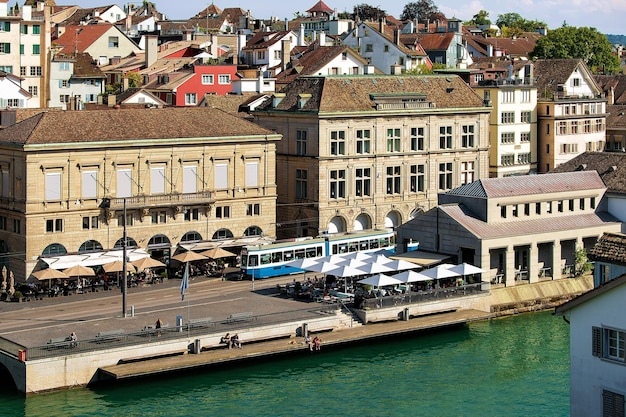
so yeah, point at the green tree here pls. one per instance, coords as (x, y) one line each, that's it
(581, 263)
(479, 19)
(514, 20)
(365, 12)
(585, 43)
(134, 79)
(422, 10)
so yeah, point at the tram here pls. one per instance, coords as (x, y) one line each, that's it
(265, 261)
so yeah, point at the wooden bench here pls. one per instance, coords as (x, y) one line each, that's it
(60, 342)
(203, 322)
(110, 336)
(152, 330)
(239, 317)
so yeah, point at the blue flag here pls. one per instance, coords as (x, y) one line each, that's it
(185, 282)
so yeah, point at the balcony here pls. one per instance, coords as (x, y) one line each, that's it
(161, 200)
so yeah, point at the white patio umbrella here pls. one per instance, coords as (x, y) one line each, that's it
(411, 276)
(323, 267)
(345, 271)
(380, 280)
(466, 269)
(355, 263)
(4, 278)
(359, 256)
(375, 268)
(440, 272)
(401, 265)
(302, 263)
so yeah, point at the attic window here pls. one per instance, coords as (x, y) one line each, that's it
(400, 101)
(277, 98)
(303, 99)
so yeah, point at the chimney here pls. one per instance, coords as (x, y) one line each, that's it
(241, 42)
(151, 50)
(27, 12)
(322, 38)
(8, 117)
(124, 83)
(611, 96)
(489, 50)
(301, 36)
(4, 11)
(396, 37)
(188, 35)
(396, 69)
(285, 53)
(129, 21)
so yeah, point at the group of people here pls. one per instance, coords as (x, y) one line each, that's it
(231, 341)
(315, 344)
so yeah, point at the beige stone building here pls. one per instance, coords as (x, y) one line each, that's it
(362, 152)
(197, 177)
(518, 229)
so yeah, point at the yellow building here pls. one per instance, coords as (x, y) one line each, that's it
(363, 152)
(197, 177)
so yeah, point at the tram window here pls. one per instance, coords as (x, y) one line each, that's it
(343, 247)
(352, 247)
(288, 255)
(310, 252)
(363, 245)
(374, 244)
(384, 242)
(244, 260)
(299, 253)
(319, 251)
(253, 260)
(334, 249)
(277, 257)
(266, 258)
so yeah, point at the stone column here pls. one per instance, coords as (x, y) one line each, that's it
(509, 267)
(533, 263)
(556, 259)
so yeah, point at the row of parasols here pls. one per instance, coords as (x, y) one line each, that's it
(79, 271)
(381, 269)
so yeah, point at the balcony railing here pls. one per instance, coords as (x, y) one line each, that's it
(141, 201)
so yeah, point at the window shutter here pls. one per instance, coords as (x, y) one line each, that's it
(252, 174)
(221, 176)
(190, 179)
(612, 404)
(124, 182)
(53, 186)
(596, 342)
(89, 184)
(7, 48)
(157, 180)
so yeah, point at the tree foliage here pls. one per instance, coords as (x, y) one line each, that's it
(479, 19)
(421, 10)
(514, 20)
(578, 42)
(582, 265)
(365, 12)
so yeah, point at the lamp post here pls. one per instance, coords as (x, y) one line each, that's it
(124, 264)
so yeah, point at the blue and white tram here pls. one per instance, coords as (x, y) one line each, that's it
(265, 261)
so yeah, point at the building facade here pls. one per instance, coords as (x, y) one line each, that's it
(362, 152)
(182, 176)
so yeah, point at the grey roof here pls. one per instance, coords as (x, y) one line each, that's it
(549, 224)
(611, 166)
(128, 125)
(530, 184)
(610, 248)
(550, 73)
(583, 298)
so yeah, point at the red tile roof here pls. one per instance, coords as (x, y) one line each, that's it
(80, 37)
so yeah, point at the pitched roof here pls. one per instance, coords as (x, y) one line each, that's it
(550, 73)
(611, 166)
(84, 65)
(262, 40)
(607, 286)
(520, 46)
(320, 6)
(80, 37)
(530, 184)
(435, 41)
(617, 82)
(610, 248)
(483, 230)
(132, 125)
(357, 93)
(616, 117)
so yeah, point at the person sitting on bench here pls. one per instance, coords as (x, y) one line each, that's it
(226, 340)
(72, 339)
(235, 341)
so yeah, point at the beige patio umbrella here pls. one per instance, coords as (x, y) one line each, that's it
(49, 274)
(188, 256)
(11, 290)
(118, 266)
(216, 253)
(80, 271)
(4, 278)
(147, 262)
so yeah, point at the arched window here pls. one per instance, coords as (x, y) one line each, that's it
(54, 249)
(158, 241)
(130, 243)
(253, 231)
(191, 237)
(90, 246)
(223, 234)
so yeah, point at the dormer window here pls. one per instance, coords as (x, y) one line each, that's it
(277, 98)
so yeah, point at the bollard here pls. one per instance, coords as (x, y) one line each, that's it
(179, 323)
(305, 329)
(132, 311)
(406, 314)
(196, 347)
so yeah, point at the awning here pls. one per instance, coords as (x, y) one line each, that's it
(94, 258)
(225, 243)
(421, 258)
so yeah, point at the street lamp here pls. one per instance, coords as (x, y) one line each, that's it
(124, 264)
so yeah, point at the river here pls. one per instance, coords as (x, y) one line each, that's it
(514, 366)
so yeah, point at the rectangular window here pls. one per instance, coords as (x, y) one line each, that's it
(562, 128)
(53, 186)
(587, 126)
(612, 404)
(90, 222)
(508, 96)
(525, 117)
(17, 226)
(369, 47)
(467, 136)
(581, 204)
(301, 141)
(54, 225)
(445, 176)
(337, 142)
(507, 137)
(524, 137)
(525, 96)
(35, 71)
(5, 184)
(190, 99)
(394, 180)
(417, 138)
(301, 183)
(260, 55)
(417, 178)
(252, 174)
(157, 180)
(221, 176)
(114, 42)
(5, 26)
(223, 79)
(222, 212)
(21, 49)
(253, 210)
(5, 48)
(89, 185)
(32, 89)
(36, 29)
(363, 180)
(523, 158)
(362, 141)
(507, 160)
(393, 140)
(158, 217)
(537, 208)
(445, 137)
(574, 127)
(22, 71)
(190, 179)
(36, 49)
(24, 30)
(467, 172)
(207, 79)
(129, 220)
(124, 182)
(3, 222)
(191, 214)
(507, 117)
(338, 183)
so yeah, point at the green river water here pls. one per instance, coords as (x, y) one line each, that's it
(515, 366)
